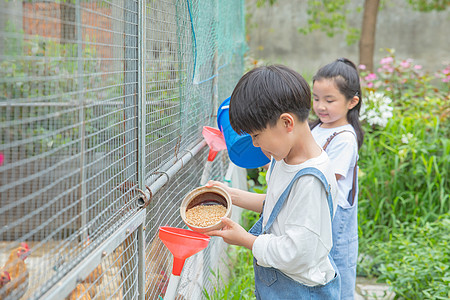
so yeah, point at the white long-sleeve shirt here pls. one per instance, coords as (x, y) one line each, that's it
(299, 241)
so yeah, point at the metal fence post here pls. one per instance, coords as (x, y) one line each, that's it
(131, 131)
(82, 189)
(141, 141)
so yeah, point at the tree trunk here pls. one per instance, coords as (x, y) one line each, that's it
(367, 40)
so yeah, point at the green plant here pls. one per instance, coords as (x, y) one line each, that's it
(404, 188)
(256, 179)
(241, 284)
(414, 143)
(64, 85)
(416, 259)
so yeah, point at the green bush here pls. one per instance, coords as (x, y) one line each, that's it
(404, 188)
(405, 166)
(416, 259)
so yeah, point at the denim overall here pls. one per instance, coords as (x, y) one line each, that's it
(345, 236)
(270, 283)
(345, 246)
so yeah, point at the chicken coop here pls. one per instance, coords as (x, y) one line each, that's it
(102, 105)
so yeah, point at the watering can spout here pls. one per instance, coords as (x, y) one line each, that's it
(212, 154)
(216, 142)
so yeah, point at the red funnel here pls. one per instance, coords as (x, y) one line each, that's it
(182, 243)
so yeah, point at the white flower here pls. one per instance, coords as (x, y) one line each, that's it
(376, 110)
(407, 137)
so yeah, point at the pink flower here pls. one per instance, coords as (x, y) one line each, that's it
(418, 67)
(370, 84)
(405, 64)
(362, 67)
(370, 77)
(2, 158)
(386, 60)
(388, 68)
(446, 79)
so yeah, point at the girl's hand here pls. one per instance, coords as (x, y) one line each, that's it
(234, 234)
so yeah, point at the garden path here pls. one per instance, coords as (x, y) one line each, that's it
(369, 289)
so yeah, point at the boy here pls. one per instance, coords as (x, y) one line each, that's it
(292, 240)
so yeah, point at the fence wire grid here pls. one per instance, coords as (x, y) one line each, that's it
(102, 105)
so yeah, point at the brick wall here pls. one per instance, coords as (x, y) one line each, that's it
(44, 19)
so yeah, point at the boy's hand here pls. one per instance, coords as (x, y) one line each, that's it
(234, 234)
(219, 184)
(228, 189)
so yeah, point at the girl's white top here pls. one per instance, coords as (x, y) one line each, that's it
(343, 153)
(300, 238)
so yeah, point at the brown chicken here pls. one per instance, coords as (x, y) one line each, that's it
(158, 269)
(156, 281)
(79, 293)
(94, 279)
(4, 280)
(18, 273)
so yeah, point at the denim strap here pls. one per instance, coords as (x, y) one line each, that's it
(306, 171)
(355, 168)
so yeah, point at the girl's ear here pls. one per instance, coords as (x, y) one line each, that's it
(288, 121)
(352, 103)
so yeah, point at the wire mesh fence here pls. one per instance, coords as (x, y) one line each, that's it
(102, 104)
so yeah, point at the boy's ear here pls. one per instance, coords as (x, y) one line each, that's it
(353, 102)
(287, 121)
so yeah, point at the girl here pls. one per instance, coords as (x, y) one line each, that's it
(337, 101)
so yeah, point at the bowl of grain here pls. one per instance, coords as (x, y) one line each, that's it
(203, 207)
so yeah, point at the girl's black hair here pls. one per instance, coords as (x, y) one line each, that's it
(264, 93)
(346, 77)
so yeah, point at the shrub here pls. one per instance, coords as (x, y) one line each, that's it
(417, 259)
(404, 188)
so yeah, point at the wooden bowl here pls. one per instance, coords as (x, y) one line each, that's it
(206, 195)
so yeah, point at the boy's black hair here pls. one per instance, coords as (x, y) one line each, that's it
(346, 77)
(263, 94)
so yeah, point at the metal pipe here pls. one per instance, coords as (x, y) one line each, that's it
(162, 180)
(172, 287)
(141, 262)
